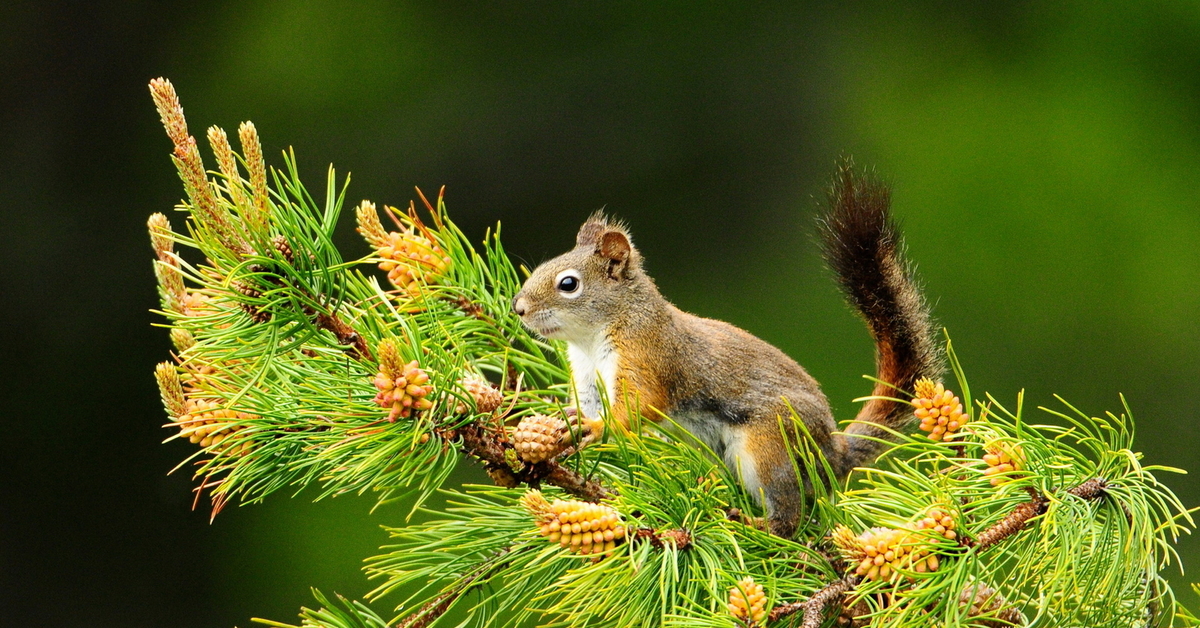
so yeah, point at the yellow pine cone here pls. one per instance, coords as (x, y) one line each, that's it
(940, 521)
(402, 389)
(209, 425)
(940, 412)
(886, 552)
(1002, 460)
(487, 398)
(583, 527)
(748, 601)
(539, 437)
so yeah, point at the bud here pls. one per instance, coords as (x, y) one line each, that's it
(410, 257)
(940, 412)
(1003, 459)
(402, 387)
(885, 553)
(170, 279)
(940, 521)
(214, 427)
(253, 155)
(748, 601)
(171, 389)
(584, 527)
(227, 163)
(182, 339)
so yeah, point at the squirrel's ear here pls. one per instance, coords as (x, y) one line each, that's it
(616, 250)
(589, 233)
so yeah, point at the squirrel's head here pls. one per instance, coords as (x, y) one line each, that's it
(577, 294)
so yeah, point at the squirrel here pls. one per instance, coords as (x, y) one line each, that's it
(626, 343)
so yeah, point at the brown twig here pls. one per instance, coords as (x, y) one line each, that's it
(434, 608)
(344, 333)
(814, 607)
(680, 538)
(1017, 519)
(1012, 523)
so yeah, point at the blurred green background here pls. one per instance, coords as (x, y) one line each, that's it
(1045, 156)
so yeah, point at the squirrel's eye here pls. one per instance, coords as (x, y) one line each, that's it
(568, 284)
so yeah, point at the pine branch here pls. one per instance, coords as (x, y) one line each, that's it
(815, 606)
(294, 367)
(436, 607)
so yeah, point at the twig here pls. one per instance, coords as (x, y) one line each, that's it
(1016, 520)
(680, 538)
(434, 608)
(814, 607)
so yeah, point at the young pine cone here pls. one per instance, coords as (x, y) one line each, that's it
(539, 437)
(940, 521)
(940, 412)
(1002, 459)
(403, 391)
(208, 424)
(583, 527)
(884, 553)
(487, 398)
(748, 602)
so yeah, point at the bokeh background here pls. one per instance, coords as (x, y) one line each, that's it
(1045, 156)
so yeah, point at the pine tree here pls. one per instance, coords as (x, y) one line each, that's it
(294, 367)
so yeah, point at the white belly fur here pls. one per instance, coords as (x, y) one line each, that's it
(589, 361)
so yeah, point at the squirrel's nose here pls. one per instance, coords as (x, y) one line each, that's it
(519, 305)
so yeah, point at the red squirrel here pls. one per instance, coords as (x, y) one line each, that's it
(725, 386)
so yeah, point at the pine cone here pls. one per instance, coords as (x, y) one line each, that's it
(487, 398)
(940, 412)
(539, 437)
(748, 601)
(583, 527)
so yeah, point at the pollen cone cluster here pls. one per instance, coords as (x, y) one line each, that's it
(208, 424)
(885, 553)
(487, 398)
(748, 601)
(403, 390)
(1002, 460)
(402, 387)
(583, 527)
(410, 258)
(940, 521)
(202, 421)
(940, 412)
(539, 437)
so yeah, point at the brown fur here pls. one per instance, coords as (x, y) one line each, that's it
(726, 386)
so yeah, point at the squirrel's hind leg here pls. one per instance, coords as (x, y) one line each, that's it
(759, 457)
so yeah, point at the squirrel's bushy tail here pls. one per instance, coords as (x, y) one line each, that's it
(863, 247)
